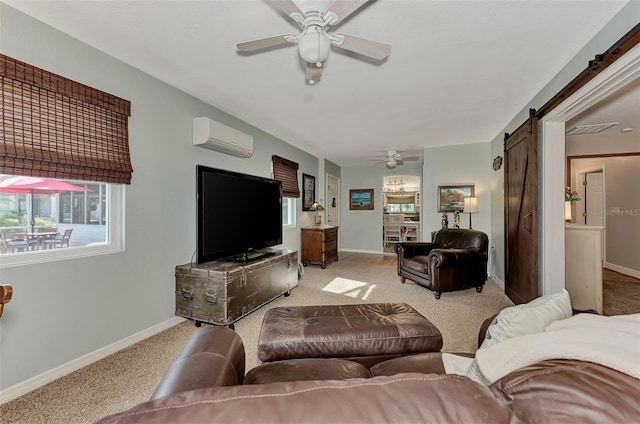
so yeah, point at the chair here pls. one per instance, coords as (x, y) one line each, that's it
(15, 241)
(59, 240)
(392, 228)
(455, 260)
(411, 234)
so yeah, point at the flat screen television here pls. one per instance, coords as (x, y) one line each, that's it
(238, 214)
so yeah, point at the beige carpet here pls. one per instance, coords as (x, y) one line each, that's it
(129, 377)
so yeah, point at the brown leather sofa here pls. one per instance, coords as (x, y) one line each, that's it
(205, 385)
(456, 259)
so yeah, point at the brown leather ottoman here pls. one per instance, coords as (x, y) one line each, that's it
(366, 333)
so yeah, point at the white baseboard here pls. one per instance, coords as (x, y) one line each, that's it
(622, 270)
(497, 281)
(74, 365)
(375, 252)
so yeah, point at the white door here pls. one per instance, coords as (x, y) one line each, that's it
(332, 205)
(594, 198)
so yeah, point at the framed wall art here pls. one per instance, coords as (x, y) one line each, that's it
(308, 191)
(451, 197)
(361, 199)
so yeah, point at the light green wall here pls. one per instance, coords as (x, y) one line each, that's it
(332, 168)
(465, 164)
(362, 230)
(63, 310)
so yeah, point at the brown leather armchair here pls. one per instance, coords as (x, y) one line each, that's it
(455, 260)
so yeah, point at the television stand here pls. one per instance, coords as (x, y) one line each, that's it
(248, 256)
(221, 292)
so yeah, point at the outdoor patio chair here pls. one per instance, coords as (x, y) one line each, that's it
(14, 241)
(59, 240)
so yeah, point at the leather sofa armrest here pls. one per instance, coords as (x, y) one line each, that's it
(450, 258)
(213, 357)
(483, 329)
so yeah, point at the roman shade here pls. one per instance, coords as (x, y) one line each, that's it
(52, 126)
(286, 171)
(401, 199)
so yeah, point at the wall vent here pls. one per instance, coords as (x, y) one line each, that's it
(590, 129)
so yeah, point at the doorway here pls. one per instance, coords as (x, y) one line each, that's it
(593, 201)
(332, 206)
(622, 72)
(401, 199)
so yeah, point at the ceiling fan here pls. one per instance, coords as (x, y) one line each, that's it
(315, 18)
(393, 158)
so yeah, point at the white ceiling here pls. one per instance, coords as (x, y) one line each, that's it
(458, 72)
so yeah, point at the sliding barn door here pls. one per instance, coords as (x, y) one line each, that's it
(521, 212)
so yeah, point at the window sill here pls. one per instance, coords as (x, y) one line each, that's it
(59, 254)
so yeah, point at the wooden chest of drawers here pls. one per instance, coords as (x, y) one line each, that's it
(319, 245)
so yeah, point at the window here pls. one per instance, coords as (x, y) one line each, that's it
(32, 225)
(396, 208)
(288, 212)
(76, 138)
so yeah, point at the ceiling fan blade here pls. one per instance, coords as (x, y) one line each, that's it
(263, 43)
(372, 49)
(343, 8)
(313, 73)
(410, 158)
(288, 7)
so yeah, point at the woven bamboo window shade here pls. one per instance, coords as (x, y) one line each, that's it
(286, 171)
(55, 127)
(401, 199)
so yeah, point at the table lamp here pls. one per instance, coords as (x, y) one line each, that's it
(317, 207)
(470, 206)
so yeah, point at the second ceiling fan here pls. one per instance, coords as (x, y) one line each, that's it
(314, 41)
(393, 158)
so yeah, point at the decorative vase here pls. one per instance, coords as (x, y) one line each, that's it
(445, 220)
(567, 211)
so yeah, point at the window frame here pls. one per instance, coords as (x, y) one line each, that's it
(114, 244)
(291, 213)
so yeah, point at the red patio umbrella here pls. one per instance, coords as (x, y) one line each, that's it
(36, 185)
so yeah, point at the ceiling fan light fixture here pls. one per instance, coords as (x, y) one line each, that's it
(314, 46)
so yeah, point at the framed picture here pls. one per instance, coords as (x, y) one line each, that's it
(451, 197)
(361, 199)
(308, 191)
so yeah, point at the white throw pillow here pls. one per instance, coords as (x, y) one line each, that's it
(520, 320)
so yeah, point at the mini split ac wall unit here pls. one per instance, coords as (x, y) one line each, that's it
(213, 135)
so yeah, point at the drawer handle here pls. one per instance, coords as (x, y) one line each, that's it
(210, 297)
(187, 292)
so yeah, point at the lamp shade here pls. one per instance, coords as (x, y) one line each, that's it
(316, 207)
(471, 205)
